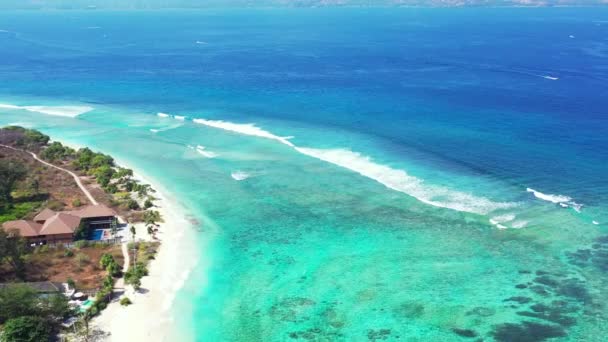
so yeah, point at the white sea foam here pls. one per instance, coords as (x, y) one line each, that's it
(200, 42)
(163, 115)
(595, 222)
(164, 129)
(394, 179)
(20, 124)
(519, 224)
(67, 111)
(240, 175)
(563, 201)
(550, 198)
(180, 118)
(502, 218)
(552, 78)
(400, 181)
(500, 226)
(204, 152)
(247, 129)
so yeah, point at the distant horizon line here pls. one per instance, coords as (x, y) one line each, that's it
(302, 7)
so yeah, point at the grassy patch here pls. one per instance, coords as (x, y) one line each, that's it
(18, 211)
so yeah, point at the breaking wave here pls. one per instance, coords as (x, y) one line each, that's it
(163, 115)
(400, 181)
(240, 175)
(502, 219)
(519, 224)
(247, 129)
(394, 179)
(563, 201)
(66, 111)
(204, 152)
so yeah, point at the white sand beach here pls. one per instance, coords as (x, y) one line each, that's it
(148, 318)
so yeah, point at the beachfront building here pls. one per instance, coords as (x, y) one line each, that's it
(50, 227)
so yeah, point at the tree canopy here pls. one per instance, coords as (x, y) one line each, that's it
(10, 173)
(29, 317)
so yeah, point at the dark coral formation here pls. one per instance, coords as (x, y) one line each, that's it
(464, 332)
(527, 332)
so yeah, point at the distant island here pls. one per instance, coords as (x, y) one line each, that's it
(164, 4)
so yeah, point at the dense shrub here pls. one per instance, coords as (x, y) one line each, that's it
(81, 244)
(56, 151)
(124, 301)
(29, 317)
(76, 202)
(26, 329)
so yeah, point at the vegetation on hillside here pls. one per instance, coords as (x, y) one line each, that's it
(27, 316)
(125, 192)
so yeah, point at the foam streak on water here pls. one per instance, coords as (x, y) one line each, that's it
(394, 179)
(247, 129)
(67, 111)
(400, 181)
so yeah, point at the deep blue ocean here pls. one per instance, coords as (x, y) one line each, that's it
(369, 174)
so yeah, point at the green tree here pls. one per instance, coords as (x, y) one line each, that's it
(108, 282)
(103, 175)
(35, 185)
(106, 260)
(26, 329)
(82, 231)
(12, 251)
(133, 231)
(114, 227)
(17, 300)
(114, 269)
(152, 217)
(10, 174)
(55, 307)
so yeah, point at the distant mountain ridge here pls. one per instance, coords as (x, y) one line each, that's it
(151, 4)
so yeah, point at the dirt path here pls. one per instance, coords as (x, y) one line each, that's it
(76, 178)
(125, 252)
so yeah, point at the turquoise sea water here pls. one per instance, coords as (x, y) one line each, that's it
(416, 175)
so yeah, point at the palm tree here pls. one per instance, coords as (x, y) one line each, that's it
(133, 231)
(114, 228)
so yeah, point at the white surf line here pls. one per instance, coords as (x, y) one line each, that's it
(66, 111)
(76, 178)
(246, 129)
(563, 201)
(394, 179)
